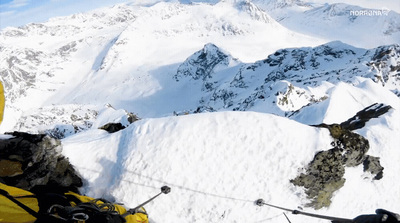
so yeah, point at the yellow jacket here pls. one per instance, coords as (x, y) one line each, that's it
(2, 102)
(12, 212)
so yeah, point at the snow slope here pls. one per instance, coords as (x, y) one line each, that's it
(91, 59)
(352, 24)
(218, 164)
(229, 62)
(114, 48)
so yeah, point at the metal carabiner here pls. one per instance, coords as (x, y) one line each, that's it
(80, 217)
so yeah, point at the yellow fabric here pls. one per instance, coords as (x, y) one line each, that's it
(135, 218)
(11, 212)
(2, 102)
(80, 197)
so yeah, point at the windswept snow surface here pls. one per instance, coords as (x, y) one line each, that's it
(167, 58)
(218, 164)
(344, 101)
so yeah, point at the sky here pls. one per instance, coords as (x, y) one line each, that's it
(21, 12)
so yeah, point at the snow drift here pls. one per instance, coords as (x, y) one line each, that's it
(218, 164)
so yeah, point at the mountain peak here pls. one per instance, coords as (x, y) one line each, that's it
(280, 4)
(254, 11)
(202, 63)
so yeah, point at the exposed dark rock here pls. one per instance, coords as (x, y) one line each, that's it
(324, 174)
(353, 146)
(28, 161)
(112, 127)
(132, 117)
(202, 63)
(372, 165)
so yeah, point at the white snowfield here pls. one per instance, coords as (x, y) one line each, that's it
(218, 164)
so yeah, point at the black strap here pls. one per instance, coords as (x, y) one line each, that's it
(335, 219)
(72, 198)
(23, 206)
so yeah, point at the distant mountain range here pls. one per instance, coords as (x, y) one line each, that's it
(129, 55)
(361, 27)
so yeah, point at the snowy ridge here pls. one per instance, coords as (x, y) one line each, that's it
(285, 81)
(254, 11)
(38, 53)
(361, 27)
(210, 140)
(217, 165)
(68, 58)
(225, 93)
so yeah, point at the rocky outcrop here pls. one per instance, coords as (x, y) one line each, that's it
(202, 63)
(28, 161)
(57, 121)
(324, 174)
(112, 127)
(281, 83)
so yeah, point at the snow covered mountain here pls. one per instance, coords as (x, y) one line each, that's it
(361, 27)
(37, 58)
(84, 53)
(284, 82)
(226, 93)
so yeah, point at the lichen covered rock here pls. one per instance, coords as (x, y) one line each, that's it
(324, 174)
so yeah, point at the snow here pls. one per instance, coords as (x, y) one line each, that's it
(218, 164)
(352, 24)
(3, 137)
(382, 194)
(215, 163)
(98, 66)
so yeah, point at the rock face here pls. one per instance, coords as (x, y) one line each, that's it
(324, 174)
(28, 161)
